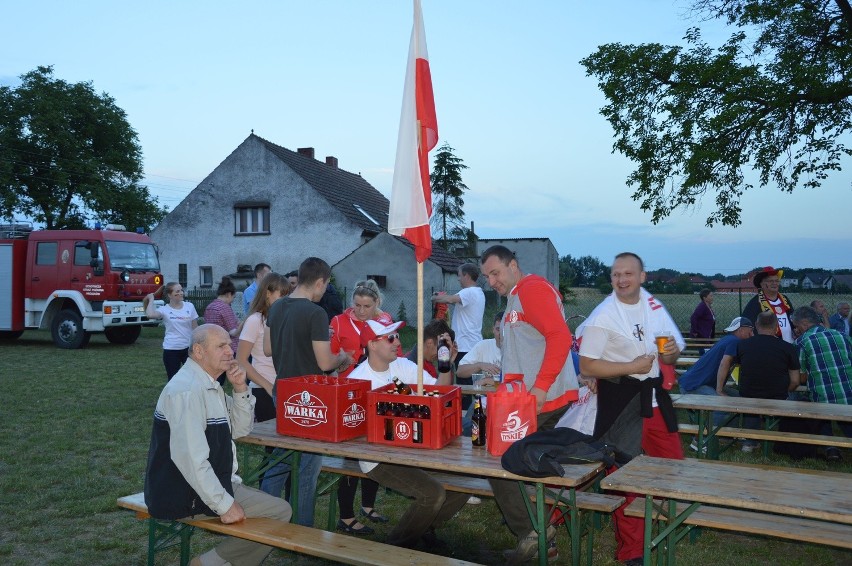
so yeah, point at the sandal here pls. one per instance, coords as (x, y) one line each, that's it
(351, 530)
(374, 516)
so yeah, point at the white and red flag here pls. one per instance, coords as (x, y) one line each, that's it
(411, 195)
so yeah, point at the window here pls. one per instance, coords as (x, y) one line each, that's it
(46, 253)
(182, 275)
(251, 219)
(206, 276)
(381, 280)
(83, 253)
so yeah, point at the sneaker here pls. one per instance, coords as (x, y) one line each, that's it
(552, 551)
(473, 500)
(694, 446)
(527, 547)
(832, 454)
(749, 447)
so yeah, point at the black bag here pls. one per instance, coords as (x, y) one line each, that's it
(542, 453)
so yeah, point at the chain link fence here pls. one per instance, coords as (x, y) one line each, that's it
(402, 305)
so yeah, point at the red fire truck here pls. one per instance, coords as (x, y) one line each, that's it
(76, 282)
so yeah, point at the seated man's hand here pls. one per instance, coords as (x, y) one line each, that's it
(233, 515)
(237, 376)
(489, 368)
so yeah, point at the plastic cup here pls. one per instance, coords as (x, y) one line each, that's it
(661, 339)
(476, 377)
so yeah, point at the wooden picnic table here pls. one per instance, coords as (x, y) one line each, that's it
(784, 491)
(459, 456)
(707, 404)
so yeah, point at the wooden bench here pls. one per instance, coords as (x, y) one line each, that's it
(751, 522)
(287, 536)
(772, 435)
(592, 503)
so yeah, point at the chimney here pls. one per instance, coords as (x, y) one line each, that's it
(331, 160)
(306, 151)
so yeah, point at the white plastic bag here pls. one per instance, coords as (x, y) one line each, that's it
(581, 415)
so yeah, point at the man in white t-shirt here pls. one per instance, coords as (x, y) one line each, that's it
(635, 413)
(432, 505)
(468, 310)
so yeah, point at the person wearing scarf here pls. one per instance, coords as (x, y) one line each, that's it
(768, 280)
(617, 347)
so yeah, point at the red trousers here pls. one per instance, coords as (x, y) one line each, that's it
(656, 441)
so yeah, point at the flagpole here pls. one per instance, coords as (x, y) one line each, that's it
(419, 328)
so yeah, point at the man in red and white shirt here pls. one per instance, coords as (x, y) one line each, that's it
(536, 350)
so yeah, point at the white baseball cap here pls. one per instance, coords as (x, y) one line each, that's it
(739, 322)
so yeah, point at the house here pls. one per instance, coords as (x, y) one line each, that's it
(389, 260)
(742, 286)
(817, 281)
(266, 203)
(534, 255)
(842, 283)
(787, 282)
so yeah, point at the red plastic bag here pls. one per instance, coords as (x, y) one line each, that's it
(511, 416)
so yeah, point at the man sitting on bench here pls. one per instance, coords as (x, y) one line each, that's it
(431, 504)
(192, 461)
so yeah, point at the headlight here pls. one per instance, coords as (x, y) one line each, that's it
(125, 276)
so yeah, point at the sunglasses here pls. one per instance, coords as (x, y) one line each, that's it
(391, 338)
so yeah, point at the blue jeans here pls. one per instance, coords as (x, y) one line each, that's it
(718, 416)
(277, 477)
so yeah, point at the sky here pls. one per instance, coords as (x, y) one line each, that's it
(195, 78)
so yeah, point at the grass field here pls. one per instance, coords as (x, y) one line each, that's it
(77, 438)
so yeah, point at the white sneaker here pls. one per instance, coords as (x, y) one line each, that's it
(749, 447)
(474, 500)
(694, 446)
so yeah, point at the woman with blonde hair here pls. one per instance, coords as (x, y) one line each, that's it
(345, 334)
(260, 370)
(180, 319)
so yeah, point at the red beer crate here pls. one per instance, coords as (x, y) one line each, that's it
(420, 429)
(321, 407)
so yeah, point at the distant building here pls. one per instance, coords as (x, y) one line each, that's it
(383, 259)
(817, 281)
(787, 282)
(535, 255)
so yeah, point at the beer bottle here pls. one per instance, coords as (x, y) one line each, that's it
(444, 357)
(403, 388)
(477, 433)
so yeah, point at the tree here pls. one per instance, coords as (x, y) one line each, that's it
(68, 156)
(583, 271)
(774, 98)
(448, 190)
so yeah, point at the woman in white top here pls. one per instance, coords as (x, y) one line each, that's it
(260, 370)
(180, 319)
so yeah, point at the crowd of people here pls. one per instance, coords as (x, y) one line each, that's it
(296, 325)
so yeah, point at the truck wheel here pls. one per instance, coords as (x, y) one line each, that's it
(122, 334)
(67, 330)
(10, 334)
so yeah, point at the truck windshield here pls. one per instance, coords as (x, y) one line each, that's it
(133, 256)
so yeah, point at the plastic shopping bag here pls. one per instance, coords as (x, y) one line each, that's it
(581, 415)
(511, 416)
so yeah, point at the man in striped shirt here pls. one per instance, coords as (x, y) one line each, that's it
(826, 359)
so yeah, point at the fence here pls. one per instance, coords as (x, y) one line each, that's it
(402, 304)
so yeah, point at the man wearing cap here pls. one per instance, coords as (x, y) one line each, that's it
(768, 280)
(432, 505)
(825, 356)
(700, 379)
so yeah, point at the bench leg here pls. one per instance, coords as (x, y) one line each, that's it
(162, 535)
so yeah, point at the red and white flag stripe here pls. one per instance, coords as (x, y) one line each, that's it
(411, 195)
